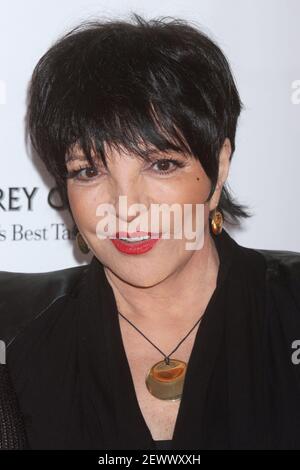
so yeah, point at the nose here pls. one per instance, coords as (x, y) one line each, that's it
(130, 201)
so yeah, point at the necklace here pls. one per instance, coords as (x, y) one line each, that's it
(165, 379)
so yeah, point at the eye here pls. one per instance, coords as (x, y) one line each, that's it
(85, 174)
(167, 165)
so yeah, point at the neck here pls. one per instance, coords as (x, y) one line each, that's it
(181, 296)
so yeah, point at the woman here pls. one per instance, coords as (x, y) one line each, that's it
(154, 344)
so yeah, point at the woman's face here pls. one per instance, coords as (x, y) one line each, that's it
(180, 182)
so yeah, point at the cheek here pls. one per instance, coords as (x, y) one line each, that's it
(82, 207)
(194, 189)
(193, 193)
(200, 184)
(76, 200)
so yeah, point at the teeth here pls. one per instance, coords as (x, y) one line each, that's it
(135, 239)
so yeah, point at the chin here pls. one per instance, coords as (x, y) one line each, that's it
(149, 279)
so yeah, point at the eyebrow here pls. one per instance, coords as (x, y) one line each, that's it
(163, 153)
(72, 158)
(152, 154)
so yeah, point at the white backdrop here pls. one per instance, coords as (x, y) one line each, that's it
(261, 39)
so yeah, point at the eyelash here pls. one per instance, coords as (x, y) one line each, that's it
(74, 174)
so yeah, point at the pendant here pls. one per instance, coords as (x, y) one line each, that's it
(165, 381)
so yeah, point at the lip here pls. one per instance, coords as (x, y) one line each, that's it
(137, 234)
(138, 247)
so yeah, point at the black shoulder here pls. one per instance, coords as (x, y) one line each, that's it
(283, 272)
(23, 296)
(282, 262)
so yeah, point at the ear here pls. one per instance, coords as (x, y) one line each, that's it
(224, 163)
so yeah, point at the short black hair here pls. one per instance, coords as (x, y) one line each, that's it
(161, 81)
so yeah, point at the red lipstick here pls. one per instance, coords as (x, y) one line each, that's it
(135, 247)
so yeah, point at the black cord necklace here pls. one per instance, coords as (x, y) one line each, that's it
(165, 379)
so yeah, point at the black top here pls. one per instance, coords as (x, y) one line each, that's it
(163, 444)
(12, 432)
(75, 388)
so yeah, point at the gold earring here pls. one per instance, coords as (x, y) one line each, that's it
(83, 247)
(217, 222)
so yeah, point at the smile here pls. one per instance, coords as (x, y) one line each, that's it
(136, 244)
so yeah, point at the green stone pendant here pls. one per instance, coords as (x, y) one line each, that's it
(165, 381)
